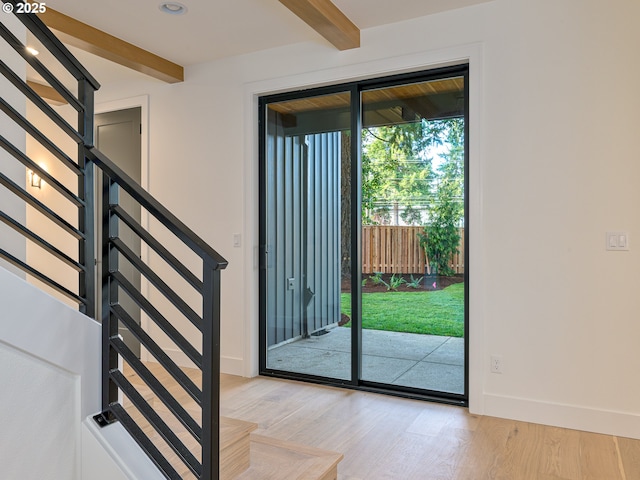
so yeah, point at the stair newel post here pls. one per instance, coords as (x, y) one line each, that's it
(211, 370)
(87, 253)
(86, 191)
(109, 291)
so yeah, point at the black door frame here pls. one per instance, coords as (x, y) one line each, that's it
(355, 89)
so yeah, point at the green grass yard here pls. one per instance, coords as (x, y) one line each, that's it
(439, 312)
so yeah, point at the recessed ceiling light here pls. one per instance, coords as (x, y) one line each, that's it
(173, 8)
(32, 51)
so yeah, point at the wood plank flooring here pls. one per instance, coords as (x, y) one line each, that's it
(389, 438)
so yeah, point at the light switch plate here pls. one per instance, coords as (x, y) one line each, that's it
(617, 241)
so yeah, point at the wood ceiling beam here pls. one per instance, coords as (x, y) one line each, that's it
(85, 37)
(327, 19)
(51, 95)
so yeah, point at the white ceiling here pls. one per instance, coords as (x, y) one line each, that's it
(217, 28)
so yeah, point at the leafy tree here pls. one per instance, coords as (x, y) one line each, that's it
(411, 215)
(396, 169)
(399, 176)
(441, 236)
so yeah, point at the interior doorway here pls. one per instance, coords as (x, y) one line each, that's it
(363, 234)
(118, 136)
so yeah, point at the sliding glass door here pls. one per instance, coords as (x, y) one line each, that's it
(363, 234)
(413, 169)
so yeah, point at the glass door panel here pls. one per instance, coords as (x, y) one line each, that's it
(413, 184)
(306, 214)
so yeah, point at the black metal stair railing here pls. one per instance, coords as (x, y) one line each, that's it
(116, 284)
(73, 196)
(168, 307)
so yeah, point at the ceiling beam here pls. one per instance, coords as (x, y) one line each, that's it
(85, 37)
(51, 95)
(327, 19)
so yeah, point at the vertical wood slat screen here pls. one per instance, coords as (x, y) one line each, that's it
(396, 249)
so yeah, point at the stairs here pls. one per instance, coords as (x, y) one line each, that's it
(250, 456)
(235, 446)
(186, 425)
(244, 453)
(273, 459)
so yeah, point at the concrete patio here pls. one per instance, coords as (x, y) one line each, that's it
(419, 361)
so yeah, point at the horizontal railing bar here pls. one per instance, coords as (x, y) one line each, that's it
(39, 102)
(41, 242)
(167, 256)
(157, 423)
(156, 387)
(43, 278)
(155, 208)
(27, 162)
(145, 443)
(157, 282)
(55, 46)
(40, 68)
(41, 207)
(43, 140)
(158, 319)
(158, 353)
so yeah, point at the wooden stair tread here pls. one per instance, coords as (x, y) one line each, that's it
(231, 430)
(234, 446)
(273, 459)
(243, 455)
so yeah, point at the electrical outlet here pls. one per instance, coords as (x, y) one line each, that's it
(496, 363)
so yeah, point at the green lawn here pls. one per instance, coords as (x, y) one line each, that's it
(440, 312)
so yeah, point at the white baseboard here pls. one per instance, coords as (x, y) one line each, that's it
(228, 365)
(232, 366)
(566, 416)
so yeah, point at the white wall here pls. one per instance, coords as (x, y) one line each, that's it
(50, 357)
(51, 429)
(553, 166)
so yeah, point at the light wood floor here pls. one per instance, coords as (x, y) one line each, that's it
(383, 437)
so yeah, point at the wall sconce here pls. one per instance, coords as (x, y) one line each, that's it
(35, 179)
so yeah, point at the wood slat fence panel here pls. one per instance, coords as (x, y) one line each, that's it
(396, 249)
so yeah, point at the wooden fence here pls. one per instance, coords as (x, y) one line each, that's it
(396, 249)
